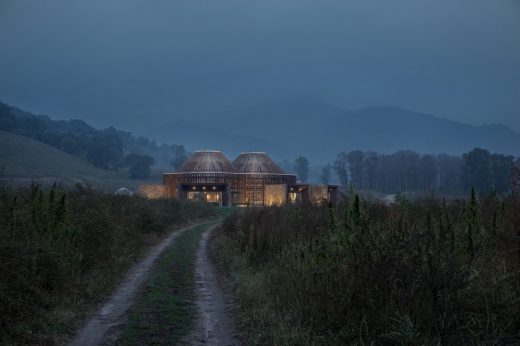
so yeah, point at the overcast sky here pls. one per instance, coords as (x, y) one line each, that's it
(132, 63)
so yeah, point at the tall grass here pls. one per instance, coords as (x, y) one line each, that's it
(63, 251)
(422, 272)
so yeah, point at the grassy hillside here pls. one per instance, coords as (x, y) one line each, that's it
(24, 159)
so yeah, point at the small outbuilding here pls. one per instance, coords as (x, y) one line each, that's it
(123, 191)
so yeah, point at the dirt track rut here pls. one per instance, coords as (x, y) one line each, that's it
(213, 325)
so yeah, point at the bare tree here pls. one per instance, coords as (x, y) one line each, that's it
(301, 166)
(355, 160)
(326, 173)
(340, 167)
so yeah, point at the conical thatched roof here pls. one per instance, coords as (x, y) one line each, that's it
(256, 162)
(207, 161)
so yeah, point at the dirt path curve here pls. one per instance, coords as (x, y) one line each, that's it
(213, 325)
(112, 314)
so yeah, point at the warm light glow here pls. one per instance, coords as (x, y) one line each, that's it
(319, 194)
(213, 197)
(275, 194)
(193, 188)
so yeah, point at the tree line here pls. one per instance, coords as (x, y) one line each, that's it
(411, 171)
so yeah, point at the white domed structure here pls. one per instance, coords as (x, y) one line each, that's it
(123, 191)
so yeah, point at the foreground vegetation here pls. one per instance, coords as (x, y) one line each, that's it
(63, 251)
(166, 309)
(422, 272)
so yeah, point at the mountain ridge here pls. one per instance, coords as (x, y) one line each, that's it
(287, 128)
(319, 131)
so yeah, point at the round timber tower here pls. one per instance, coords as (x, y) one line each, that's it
(262, 181)
(206, 176)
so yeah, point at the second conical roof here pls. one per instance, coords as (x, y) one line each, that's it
(207, 161)
(256, 162)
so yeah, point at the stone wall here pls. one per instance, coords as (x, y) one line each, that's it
(152, 191)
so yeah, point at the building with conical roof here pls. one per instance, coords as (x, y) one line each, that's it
(207, 161)
(261, 181)
(256, 162)
(253, 178)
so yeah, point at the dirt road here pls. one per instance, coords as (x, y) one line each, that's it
(111, 315)
(213, 325)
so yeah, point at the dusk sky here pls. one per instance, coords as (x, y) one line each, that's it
(133, 64)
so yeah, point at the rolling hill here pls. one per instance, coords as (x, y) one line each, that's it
(23, 159)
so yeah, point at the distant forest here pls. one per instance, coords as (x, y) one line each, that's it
(108, 149)
(409, 171)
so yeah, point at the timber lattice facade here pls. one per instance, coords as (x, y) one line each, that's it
(252, 179)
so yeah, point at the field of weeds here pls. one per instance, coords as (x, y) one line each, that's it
(62, 252)
(423, 272)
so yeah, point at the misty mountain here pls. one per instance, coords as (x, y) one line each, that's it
(309, 127)
(274, 126)
(198, 135)
(388, 129)
(286, 128)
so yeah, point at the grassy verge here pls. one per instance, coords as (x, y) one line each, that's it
(422, 272)
(164, 312)
(63, 251)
